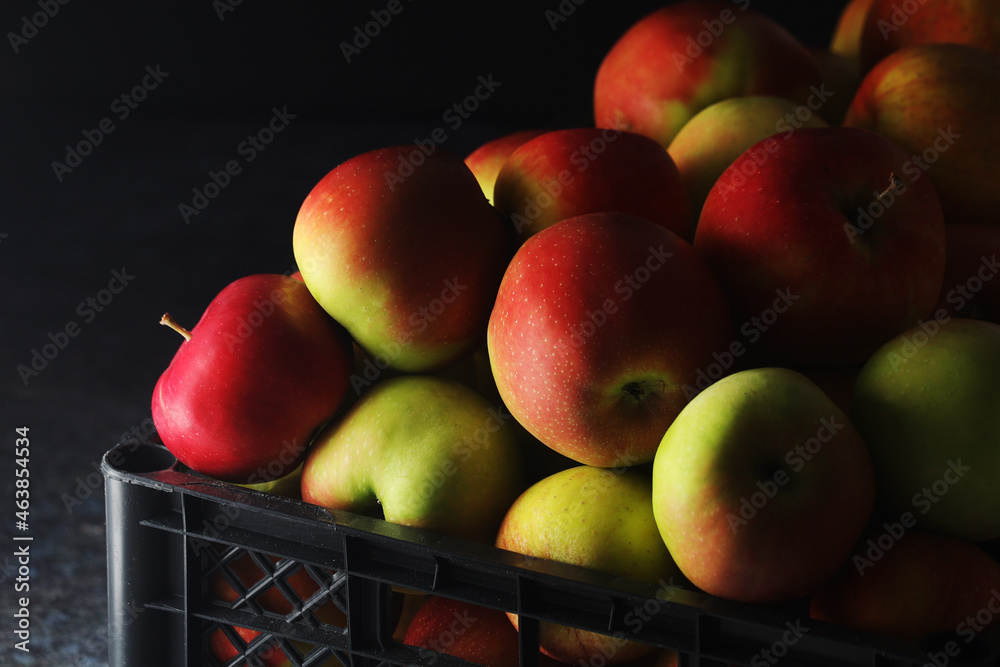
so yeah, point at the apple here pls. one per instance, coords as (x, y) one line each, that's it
(419, 451)
(814, 235)
(486, 161)
(969, 288)
(721, 132)
(679, 59)
(599, 324)
(894, 24)
(263, 369)
(401, 247)
(762, 487)
(846, 39)
(909, 584)
(599, 518)
(941, 104)
(566, 173)
(925, 404)
(289, 486)
(472, 632)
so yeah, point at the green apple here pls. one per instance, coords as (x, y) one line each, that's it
(761, 487)
(718, 134)
(926, 405)
(419, 451)
(600, 518)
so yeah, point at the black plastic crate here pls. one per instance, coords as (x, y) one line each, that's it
(170, 532)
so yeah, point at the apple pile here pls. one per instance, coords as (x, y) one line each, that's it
(741, 335)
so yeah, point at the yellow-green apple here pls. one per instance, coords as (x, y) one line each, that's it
(566, 173)
(721, 132)
(846, 39)
(600, 322)
(253, 582)
(420, 451)
(485, 162)
(598, 518)
(926, 405)
(289, 486)
(401, 247)
(803, 226)
(906, 583)
(679, 59)
(891, 25)
(263, 369)
(761, 487)
(970, 288)
(472, 632)
(941, 104)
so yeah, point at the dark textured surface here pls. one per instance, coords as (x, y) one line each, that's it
(62, 240)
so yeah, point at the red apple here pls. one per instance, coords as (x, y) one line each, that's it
(599, 323)
(263, 369)
(401, 247)
(573, 172)
(472, 632)
(811, 239)
(941, 104)
(905, 583)
(894, 24)
(487, 160)
(970, 286)
(679, 59)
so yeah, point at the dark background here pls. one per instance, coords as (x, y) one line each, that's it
(61, 241)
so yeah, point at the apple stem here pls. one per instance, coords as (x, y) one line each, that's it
(168, 321)
(893, 184)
